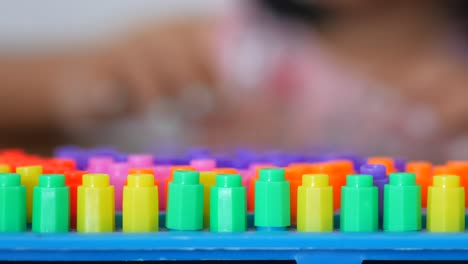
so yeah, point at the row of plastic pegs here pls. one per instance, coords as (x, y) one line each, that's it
(227, 203)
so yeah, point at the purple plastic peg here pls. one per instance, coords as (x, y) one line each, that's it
(400, 164)
(379, 174)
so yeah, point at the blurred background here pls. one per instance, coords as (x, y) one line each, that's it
(370, 77)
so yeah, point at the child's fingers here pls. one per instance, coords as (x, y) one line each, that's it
(162, 64)
(131, 72)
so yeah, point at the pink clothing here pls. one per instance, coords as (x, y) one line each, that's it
(319, 102)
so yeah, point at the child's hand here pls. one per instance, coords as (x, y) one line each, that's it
(163, 60)
(167, 60)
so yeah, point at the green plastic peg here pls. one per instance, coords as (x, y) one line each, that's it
(359, 204)
(272, 200)
(51, 201)
(185, 202)
(12, 203)
(402, 203)
(228, 204)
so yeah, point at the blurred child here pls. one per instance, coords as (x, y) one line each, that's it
(375, 77)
